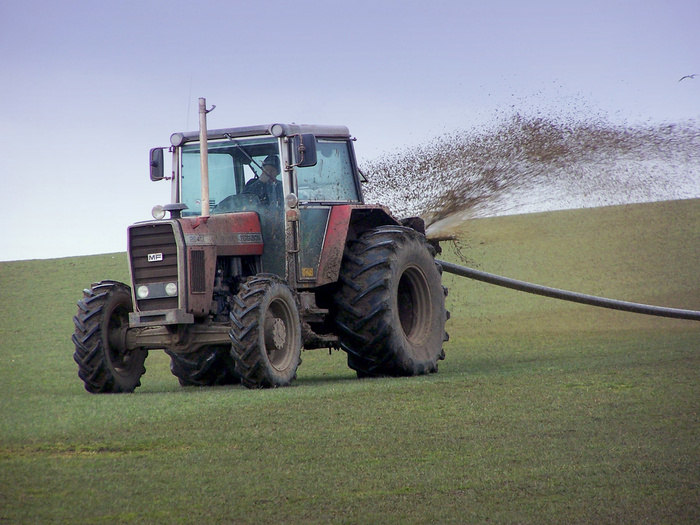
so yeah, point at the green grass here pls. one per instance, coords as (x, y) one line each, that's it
(543, 412)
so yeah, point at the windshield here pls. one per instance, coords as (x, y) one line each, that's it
(236, 169)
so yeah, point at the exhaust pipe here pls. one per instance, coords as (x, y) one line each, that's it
(204, 154)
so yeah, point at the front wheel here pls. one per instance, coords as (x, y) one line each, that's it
(265, 332)
(104, 363)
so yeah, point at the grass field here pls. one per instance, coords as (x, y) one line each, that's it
(543, 411)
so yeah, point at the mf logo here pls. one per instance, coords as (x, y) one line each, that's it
(155, 257)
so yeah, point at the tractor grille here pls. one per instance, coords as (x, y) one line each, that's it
(153, 254)
(198, 282)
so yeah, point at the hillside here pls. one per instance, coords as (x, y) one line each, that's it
(644, 253)
(542, 412)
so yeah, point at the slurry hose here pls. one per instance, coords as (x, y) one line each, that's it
(569, 296)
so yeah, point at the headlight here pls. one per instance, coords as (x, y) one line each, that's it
(176, 139)
(171, 289)
(158, 212)
(142, 292)
(292, 200)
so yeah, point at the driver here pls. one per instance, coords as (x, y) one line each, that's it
(266, 186)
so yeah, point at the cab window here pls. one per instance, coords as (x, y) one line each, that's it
(332, 178)
(232, 164)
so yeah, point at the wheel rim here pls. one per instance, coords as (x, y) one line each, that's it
(414, 305)
(120, 360)
(279, 334)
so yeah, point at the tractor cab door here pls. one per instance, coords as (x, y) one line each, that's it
(332, 181)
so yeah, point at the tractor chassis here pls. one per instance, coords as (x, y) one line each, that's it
(176, 338)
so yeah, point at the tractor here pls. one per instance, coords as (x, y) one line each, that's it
(246, 267)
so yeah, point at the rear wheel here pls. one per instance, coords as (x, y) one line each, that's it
(391, 304)
(104, 363)
(265, 332)
(209, 366)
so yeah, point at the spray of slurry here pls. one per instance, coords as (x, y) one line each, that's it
(525, 164)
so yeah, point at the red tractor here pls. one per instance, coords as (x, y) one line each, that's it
(268, 249)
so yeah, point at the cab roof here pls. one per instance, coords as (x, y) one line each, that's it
(276, 130)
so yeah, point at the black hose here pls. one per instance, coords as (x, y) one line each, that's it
(565, 295)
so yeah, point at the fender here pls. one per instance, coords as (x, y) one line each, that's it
(347, 221)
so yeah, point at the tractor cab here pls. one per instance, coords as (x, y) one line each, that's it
(291, 176)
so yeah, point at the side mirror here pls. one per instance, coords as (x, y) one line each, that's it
(156, 163)
(304, 150)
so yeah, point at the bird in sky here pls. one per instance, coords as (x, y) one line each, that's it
(688, 76)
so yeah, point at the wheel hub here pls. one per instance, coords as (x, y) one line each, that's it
(276, 333)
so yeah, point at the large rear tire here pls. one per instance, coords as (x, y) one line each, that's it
(391, 304)
(104, 364)
(209, 366)
(265, 332)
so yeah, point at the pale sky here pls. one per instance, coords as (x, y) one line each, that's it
(89, 87)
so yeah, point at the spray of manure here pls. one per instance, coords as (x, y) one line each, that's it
(526, 164)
